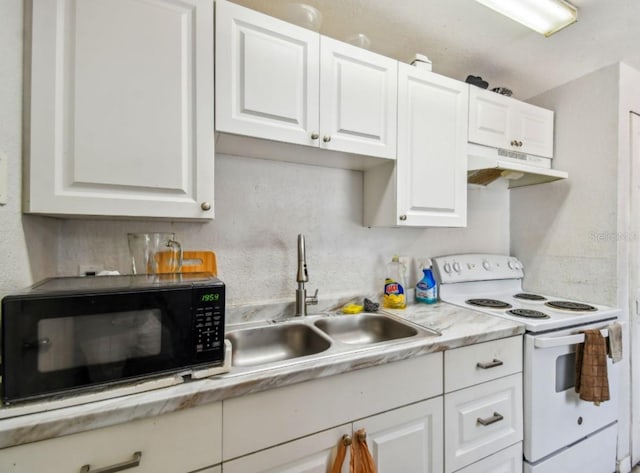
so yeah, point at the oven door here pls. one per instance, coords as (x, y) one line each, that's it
(554, 415)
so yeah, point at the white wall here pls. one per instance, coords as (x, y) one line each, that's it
(564, 231)
(29, 244)
(262, 205)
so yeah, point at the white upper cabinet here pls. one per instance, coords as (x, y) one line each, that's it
(120, 108)
(267, 79)
(428, 186)
(284, 83)
(358, 100)
(503, 122)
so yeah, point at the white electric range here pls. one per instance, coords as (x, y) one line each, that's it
(561, 431)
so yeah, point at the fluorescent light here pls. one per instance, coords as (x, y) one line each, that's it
(544, 16)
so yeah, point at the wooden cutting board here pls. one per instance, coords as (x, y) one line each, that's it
(199, 262)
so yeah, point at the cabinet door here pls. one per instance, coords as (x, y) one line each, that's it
(534, 128)
(432, 143)
(121, 108)
(358, 100)
(267, 78)
(408, 439)
(313, 454)
(490, 118)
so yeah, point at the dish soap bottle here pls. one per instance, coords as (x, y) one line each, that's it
(394, 285)
(427, 288)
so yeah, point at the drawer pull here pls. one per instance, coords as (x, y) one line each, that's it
(489, 364)
(491, 420)
(134, 462)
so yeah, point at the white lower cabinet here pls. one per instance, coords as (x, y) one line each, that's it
(408, 439)
(312, 454)
(483, 407)
(179, 442)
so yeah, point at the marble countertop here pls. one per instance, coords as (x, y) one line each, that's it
(459, 327)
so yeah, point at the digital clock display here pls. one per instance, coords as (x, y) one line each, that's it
(211, 297)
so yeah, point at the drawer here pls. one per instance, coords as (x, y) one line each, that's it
(481, 420)
(474, 364)
(508, 460)
(302, 409)
(177, 442)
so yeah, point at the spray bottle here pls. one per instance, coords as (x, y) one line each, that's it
(427, 288)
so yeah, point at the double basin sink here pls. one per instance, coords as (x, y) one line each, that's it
(314, 337)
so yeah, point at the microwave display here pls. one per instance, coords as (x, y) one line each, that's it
(105, 330)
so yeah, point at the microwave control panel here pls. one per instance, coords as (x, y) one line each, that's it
(208, 312)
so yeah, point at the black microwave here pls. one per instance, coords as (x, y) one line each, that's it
(69, 334)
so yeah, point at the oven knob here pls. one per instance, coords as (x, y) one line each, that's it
(486, 265)
(447, 268)
(456, 267)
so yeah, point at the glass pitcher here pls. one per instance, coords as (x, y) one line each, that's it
(154, 253)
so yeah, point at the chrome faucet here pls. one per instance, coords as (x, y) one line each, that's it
(302, 300)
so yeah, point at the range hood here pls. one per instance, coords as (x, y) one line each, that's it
(486, 164)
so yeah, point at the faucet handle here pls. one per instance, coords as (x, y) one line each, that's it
(312, 300)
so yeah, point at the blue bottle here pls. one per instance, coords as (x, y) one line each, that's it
(427, 288)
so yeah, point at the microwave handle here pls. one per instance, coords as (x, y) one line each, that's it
(553, 342)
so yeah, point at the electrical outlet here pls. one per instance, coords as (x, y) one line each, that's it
(89, 269)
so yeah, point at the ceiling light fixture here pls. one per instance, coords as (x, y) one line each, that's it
(544, 16)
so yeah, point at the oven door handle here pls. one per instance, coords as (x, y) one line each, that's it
(552, 342)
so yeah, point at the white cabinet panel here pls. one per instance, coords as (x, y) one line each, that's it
(503, 122)
(181, 441)
(120, 108)
(279, 82)
(300, 409)
(508, 460)
(482, 362)
(267, 80)
(313, 454)
(428, 186)
(358, 100)
(408, 439)
(481, 420)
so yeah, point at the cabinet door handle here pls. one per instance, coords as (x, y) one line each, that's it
(489, 364)
(403, 217)
(491, 420)
(206, 206)
(315, 135)
(326, 138)
(514, 143)
(134, 462)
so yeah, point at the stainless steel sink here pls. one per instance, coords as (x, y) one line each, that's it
(364, 329)
(272, 343)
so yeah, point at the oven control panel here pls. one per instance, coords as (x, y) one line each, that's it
(476, 267)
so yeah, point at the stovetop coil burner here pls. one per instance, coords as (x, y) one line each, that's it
(530, 297)
(491, 303)
(527, 313)
(571, 306)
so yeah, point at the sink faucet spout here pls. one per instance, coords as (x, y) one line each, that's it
(302, 277)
